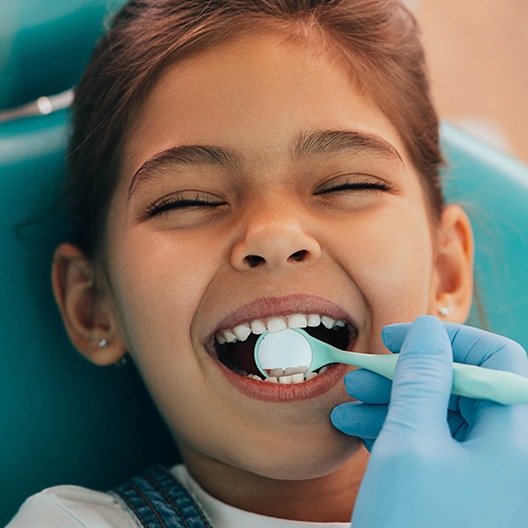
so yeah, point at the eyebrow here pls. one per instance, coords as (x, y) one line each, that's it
(183, 155)
(303, 145)
(336, 141)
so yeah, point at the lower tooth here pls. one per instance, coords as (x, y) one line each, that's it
(290, 371)
(298, 378)
(292, 379)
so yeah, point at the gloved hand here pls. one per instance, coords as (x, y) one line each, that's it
(424, 471)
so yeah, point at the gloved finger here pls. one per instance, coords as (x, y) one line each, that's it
(479, 347)
(422, 382)
(360, 420)
(470, 345)
(457, 425)
(368, 387)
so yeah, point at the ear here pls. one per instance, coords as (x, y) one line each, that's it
(85, 309)
(452, 279)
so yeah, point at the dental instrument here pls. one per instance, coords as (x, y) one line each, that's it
(296, 350)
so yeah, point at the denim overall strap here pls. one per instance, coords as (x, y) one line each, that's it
(157, 500)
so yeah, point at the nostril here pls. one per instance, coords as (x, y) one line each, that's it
(298, 255)
(254, 260)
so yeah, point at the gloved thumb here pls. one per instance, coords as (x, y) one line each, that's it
(422, 382)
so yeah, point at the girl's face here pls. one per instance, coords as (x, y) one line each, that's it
(259, 183)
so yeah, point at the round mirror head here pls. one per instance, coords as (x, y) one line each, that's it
(288, 349)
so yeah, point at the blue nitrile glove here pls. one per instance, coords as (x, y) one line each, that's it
(419, 475)
(364, 418)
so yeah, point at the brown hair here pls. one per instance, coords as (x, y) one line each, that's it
(379, 39)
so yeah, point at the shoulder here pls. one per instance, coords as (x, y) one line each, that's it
(71, 507)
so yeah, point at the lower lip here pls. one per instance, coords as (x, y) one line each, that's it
(285, 393)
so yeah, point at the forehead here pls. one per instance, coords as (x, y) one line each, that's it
(254, 93)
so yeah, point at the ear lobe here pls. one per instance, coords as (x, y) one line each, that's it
(86, 313)
(452, 282)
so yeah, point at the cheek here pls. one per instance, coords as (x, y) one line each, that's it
(391, 261)
(158, 284)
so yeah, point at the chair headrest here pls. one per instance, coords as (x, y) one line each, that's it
(44, 46)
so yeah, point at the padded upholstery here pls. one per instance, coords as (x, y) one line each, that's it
(44, 46)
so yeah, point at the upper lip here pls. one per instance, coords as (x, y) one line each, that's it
(277, 306)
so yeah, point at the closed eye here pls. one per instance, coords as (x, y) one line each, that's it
(355, 186)
(185, 202)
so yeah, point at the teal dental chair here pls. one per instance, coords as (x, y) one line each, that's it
(63, 420)
(44, 47)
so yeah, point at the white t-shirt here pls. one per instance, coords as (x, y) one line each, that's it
(76, 507)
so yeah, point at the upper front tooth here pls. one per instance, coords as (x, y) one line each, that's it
(314, 320)
(258, 327)
(276, 324)
(242, 332)
(328, 322)
(297, 321)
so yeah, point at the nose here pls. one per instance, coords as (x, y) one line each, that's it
(272, 238)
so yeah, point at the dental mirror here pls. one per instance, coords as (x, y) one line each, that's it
(283, 350)
(294, 350)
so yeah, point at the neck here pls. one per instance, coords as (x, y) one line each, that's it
(329, 498)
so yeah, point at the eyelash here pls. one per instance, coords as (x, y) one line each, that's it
(179, 202)
(356, 186)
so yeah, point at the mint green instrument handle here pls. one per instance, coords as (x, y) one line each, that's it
(468, 380)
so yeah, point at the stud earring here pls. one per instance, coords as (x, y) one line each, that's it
(103, 343)
(444, 311)
(122, 362)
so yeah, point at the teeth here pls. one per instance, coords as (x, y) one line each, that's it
(314, 320)
(242, 332)
(282, 377)
(275, 324)
(297, 321)
(290, 371)
(258, 327)
(297, 378)
(328, 322)
(229, 336)
(310, 375)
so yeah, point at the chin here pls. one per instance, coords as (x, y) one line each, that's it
(301, 460)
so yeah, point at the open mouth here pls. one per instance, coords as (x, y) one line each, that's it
(235, 346)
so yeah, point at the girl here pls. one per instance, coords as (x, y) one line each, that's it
(243, 165)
